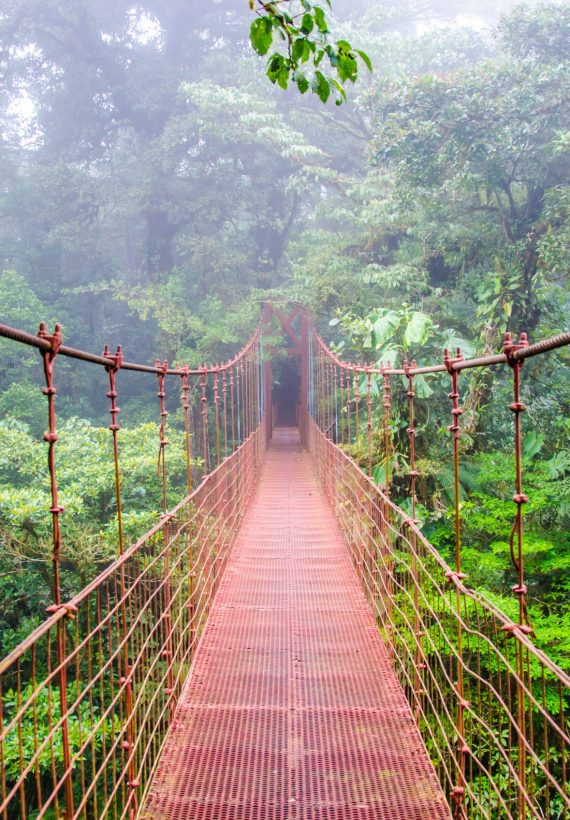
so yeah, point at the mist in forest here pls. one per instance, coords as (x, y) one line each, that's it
(163, 173)
(157, 186)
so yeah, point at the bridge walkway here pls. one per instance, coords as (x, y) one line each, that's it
(292, 711)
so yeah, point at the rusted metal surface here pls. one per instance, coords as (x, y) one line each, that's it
(292, 709)
(127, 643)
(44, 343)
(543, 346)
(86, 699)
(490, 705)
(492, 708)
(283, 717)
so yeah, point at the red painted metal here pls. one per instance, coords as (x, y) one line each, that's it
(304, 378)
(292, 709)
(297, 706)
(86, 699)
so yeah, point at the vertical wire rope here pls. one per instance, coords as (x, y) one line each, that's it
(458, 790)
(51, 437)
(517, 557)
(187, 434)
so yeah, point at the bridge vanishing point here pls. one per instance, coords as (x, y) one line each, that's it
(285, 642)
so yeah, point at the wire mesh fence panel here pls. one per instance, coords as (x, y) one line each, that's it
(492, 708)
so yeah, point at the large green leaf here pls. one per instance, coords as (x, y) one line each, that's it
(532, 443)
(388, 356)
(385, 327)
(261, 35)
(422, 387)
(321, 86)
(452, 341)
(417, 330)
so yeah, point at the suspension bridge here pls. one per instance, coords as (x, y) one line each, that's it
(285, 642)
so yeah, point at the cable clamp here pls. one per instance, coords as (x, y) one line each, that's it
(55, 339)
(69, 610)
(449, 361)
(455, 577)
(115, 359)
(510, 629)
(510, 347)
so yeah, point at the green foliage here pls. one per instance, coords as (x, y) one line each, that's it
(487, 514)
(160, 189)
(304, 30)
(33, 729)
(21, 401)
(538, 34)
(388, 335)
(24, 310)
(480, 147)
(86, 481)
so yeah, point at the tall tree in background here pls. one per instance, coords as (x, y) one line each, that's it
(160, 171)
(128, 184)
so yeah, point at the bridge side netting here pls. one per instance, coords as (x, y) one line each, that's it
(492, 708)
(87, 698)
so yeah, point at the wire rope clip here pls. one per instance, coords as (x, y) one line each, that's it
(510, 347)
(69, 610)
(511, 628)
(455, 577)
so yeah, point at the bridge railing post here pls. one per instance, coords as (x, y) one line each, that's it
(51, 437)
(204, 418)
(386, 514)
(459, 789)
(126, 679)
(356, 381)
(167, 651)
(517, 556)
(187, 431)
(419, 660)
(304, 394)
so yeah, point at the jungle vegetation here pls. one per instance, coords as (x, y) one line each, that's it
(161, 178)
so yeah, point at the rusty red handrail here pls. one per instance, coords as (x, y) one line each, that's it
(86, 699)
(493, 708)
(545, 345)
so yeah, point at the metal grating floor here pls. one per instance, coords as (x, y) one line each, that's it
(292, 711)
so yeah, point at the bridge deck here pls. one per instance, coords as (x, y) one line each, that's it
(292, 710)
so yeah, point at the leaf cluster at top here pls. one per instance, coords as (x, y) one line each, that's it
(306, 37)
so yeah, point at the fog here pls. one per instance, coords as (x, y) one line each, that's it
(157, 186)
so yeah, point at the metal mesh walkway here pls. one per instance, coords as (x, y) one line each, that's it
(292, 710)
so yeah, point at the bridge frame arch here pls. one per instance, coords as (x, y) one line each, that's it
(293, 313)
